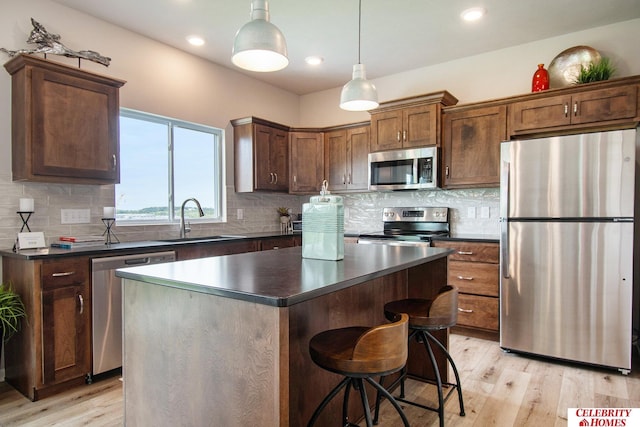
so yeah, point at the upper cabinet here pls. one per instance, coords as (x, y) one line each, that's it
(471, 145)
(306, 161)
(409, 122)
(261, 151)
(64, 123)
(605, 104)
(346, 158)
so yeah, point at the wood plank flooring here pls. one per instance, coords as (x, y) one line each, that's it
(499, 389)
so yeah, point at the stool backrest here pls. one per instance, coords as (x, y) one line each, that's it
(384, 347)
(444, 309)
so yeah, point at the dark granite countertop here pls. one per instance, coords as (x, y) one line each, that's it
(282, 278)
(132, 247)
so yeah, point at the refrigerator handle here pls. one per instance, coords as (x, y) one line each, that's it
(504, 208)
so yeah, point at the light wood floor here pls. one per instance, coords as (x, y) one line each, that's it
(499, 389)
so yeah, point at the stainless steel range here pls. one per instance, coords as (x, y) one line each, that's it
(409, 226)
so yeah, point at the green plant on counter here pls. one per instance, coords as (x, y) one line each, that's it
(595, 72)
(11, 312)
(282, 211)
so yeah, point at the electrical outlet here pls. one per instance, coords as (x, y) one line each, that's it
(75, 216)
(485, 212)
(471, 212)
(240, 214)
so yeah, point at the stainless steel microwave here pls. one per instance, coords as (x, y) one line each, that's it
(410, 169)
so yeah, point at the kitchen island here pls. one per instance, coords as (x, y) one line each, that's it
(224, 340)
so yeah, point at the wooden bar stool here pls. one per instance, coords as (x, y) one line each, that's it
(360, 353)
(427, 315)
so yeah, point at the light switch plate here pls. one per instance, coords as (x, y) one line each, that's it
(471, 212)
(485, 212)
(75, 216)
(240, 214)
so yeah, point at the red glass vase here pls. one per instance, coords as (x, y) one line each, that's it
(540, 79)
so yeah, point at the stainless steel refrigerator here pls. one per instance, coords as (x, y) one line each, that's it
(567, 226)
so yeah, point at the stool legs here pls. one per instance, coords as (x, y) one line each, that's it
(426, 338)
(358, 383)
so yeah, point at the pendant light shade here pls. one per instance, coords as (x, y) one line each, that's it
(359, 94)
(259, 45)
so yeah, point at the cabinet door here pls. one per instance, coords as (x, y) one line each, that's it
(335, 143)
(307, 162)
(471, 146)
(66, 344)
(540, 113)
(263, 179)
(279, 160)
(386, 130)
(605, 104)
(74, 128)
(358, 158)
(420, 126)
(278, 243)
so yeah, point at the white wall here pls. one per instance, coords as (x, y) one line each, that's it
(496, 74)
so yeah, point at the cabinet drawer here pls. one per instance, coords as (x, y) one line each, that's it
(474, 277)
(471, 251)
(478, 312)
(65, 272)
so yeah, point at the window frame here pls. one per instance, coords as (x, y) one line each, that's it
(171, 123)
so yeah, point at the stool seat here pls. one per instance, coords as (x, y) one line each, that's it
(359, 353)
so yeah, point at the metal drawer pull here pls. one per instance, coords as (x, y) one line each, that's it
(66, 273)
(462, 310)
(465, 253)
(465, 278)
(81, 303)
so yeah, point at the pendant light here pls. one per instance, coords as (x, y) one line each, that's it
(359, 94)
(259, 45)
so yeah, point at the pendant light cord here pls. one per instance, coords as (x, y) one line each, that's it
(359, 27)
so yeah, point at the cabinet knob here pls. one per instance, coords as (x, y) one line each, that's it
(63, 274)
(575, 108)
(464, 278)
(566, 110)
(446, 171)
(398, 136)
(81, 301)
(462, 310)
(115, 161)
(404, 135)
(276, 176)
(349, 178)
(344, 179)
(465, 253)
(295, 179)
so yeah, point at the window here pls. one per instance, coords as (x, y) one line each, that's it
(164, 162)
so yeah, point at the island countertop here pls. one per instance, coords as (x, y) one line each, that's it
(282, 278)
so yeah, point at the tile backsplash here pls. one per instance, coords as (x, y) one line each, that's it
(363, 211)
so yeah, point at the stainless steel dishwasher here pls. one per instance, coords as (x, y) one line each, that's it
(107, 305)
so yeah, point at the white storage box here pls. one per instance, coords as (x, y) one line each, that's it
(323, 228)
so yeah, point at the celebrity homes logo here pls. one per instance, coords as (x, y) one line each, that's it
(603, 417)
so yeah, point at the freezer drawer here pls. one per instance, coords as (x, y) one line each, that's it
(566, 291)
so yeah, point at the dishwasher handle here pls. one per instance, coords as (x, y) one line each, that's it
(137, 261)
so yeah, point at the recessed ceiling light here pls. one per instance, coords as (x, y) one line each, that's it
(195, 40)
(473, 14)
(314, 60)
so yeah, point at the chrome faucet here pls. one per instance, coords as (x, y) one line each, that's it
(183, 228)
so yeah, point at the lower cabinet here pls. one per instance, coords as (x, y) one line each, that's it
(53, 350)
(281, 242)
(474, 269)
(184, 252)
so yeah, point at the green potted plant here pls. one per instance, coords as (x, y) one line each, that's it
(596, 71)
(11, 312)
(284, 214)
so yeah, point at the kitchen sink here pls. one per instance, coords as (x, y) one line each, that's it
(201, 239)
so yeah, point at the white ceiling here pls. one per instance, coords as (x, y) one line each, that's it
(397, 35)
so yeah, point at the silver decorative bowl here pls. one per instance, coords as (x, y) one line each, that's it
(565, 67)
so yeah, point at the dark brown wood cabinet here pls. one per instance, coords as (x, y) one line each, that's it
(409, 122)
(346, 158)
(281, 242)
(53, 350)
(474, 270)
(306, 162)
(589, 106)
(471, 145)
(261, 155)
(203, 250)
(64, 123)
